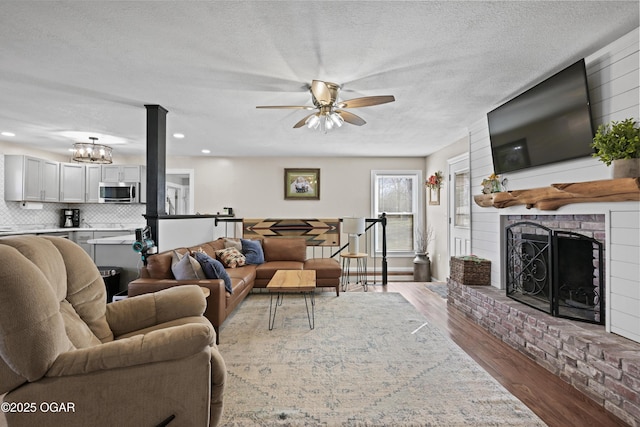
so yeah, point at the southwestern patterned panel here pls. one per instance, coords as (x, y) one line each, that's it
(318, 232)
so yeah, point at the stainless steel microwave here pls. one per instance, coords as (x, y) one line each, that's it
(119, 192)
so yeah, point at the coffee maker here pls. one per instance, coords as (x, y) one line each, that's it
(70, 218)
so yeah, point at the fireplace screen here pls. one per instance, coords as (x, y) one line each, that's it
(557, 272)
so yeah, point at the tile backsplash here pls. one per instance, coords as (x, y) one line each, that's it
(100, 215)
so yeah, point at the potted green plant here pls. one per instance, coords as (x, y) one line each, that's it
(618, 143)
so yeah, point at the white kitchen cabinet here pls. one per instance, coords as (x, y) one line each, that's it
(122, 173)
(50, 184)
(127, 173)
(28, 178)
(93, 175)
(72, 182)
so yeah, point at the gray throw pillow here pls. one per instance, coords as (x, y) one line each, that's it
(185, 267)
(233, 243)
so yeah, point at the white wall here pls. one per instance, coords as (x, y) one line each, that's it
(613, 79)
(437, 215)
(254, 187)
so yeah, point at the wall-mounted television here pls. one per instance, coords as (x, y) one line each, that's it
(548, 123)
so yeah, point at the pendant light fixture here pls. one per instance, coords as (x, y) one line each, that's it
(91, 152)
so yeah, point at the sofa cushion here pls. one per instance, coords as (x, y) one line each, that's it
(246, 273)
(326, 268)
(207, 248)
(284, 249)
(238, 285)
(241, 278)
(185, 267)
(159, 266)
(217, 244)
(231, 257)
(252, 251)
(32, 335)
(267, 270)
(213, 269)
(77, 330)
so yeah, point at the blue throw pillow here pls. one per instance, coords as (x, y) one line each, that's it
(213, 269)
(252, 251)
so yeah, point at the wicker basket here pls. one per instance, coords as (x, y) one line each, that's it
(470, 270)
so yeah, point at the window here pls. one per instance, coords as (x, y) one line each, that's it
(462, 216)
(397, 194)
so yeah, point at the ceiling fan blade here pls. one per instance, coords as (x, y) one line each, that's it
(321, 92)
(366, 101)
(303, 121)
(293, 107)
(351, 118)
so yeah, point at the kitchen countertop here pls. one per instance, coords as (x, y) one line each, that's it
(126, 239)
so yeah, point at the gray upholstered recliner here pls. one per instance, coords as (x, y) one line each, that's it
(68, 358)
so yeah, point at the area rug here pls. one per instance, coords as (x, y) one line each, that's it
(372, 360)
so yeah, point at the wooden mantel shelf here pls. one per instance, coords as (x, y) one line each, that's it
(557, 195)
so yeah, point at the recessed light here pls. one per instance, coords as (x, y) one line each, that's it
(206, 151)
(8, 134)
(178, 135)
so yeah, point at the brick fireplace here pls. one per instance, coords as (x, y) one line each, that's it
(602, 365)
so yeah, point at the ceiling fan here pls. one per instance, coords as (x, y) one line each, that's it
(330, 111)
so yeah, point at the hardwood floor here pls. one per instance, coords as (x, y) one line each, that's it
(553, 400)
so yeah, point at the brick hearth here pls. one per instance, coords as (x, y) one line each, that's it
(603, 366)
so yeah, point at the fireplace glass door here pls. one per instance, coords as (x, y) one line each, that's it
(557, 272)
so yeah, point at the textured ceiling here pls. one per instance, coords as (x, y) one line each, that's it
(92, 66)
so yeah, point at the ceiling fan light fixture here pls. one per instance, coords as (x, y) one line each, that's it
(313, 121)
(91, 152)
(328, 123)
(336, 119)
(324, 96)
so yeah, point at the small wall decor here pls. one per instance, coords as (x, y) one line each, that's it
(434, 183)
(317, 231)
(302, 184)
(434, 196)
(491, 184)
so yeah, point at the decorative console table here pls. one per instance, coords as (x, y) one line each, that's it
(557, 195)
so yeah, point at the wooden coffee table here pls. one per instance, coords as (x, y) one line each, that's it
(289, 281)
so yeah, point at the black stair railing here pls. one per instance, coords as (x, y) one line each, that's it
(371, 222)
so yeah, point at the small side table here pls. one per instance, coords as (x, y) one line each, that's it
(361, 269)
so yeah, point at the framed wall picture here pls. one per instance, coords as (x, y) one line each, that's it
(302, 184)
(434, 196)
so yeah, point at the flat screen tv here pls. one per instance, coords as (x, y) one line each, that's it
(549, 123)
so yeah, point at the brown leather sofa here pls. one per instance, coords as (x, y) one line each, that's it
(279, 254)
